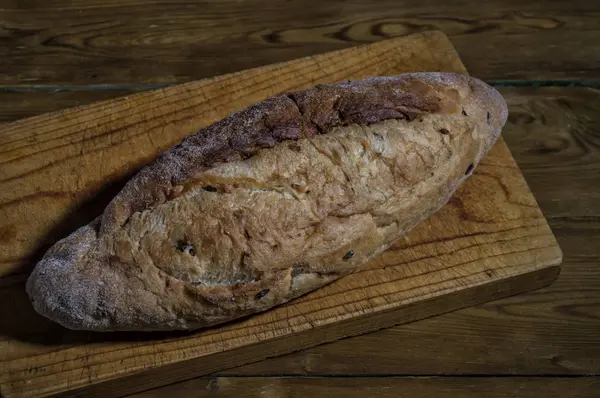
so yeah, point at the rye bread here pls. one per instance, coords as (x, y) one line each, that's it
(270, 203)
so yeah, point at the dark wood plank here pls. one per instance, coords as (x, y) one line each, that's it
(554, 135)
(434, 387)
(143, 41)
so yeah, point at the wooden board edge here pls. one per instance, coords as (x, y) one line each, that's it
(428, 37)
(161, 376)
(557, 248)
(439, 37)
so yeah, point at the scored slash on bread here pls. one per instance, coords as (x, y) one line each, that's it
(270, 203)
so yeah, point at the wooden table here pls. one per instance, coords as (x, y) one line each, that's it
(543, 56)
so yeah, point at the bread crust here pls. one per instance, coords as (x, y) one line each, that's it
(187, 243)
(297, 115)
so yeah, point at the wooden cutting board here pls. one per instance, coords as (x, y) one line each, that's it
(59, 170)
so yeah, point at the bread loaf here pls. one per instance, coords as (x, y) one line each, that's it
(270, 203)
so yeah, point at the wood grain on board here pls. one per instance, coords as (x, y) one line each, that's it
(21, 104)
(147, 41)
(60, 169)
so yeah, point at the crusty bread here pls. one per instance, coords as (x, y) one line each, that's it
(270, 203)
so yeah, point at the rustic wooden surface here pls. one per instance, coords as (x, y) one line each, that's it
(388, 387)
(63, 59)
(490, 241)
(58, 42)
